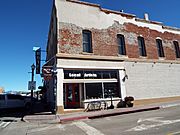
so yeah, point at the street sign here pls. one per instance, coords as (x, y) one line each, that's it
(38, 60)
(32, 85)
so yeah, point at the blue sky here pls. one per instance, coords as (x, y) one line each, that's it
(25, 23)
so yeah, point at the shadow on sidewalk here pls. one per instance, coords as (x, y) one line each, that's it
(37, 108)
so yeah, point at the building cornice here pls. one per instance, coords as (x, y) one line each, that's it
(113, 58)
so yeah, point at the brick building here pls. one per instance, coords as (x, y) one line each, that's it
(94, 50)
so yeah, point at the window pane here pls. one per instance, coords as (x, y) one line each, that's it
(93, 90)
(141, 44)
(19, 97)
(106, 74)
(121, 44)
(160, 48)
(177, 50)
(89, 75)
(113, 87)
(87, 47)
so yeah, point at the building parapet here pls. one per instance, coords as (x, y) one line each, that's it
(127, 15)
(171, 28)
(148, 21)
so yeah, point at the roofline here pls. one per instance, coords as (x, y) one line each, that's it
(108, 11)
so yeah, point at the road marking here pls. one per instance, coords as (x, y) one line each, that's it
(175, 133)
(170, 105)
(4, 124)
(61, 127)
(87, 129)
(40, 129)
(159, 123)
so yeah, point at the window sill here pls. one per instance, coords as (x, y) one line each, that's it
(87, 53)
(162, 58)
(101, 99)
(143, 57)
(124, 56)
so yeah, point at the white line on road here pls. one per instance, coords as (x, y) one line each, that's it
(4, 124)
(40, 129)
(175, 133)
(170, 105)
(159, 123)
(87, 129)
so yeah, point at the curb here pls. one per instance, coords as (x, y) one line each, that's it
(64, 120)
(41, 118)
(125, 112)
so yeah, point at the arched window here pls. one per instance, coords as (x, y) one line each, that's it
(87, 41)
(142, 48)
(177, 50)
(121, 44)
(160, 47)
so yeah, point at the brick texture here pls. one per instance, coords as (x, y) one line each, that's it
(104, 41)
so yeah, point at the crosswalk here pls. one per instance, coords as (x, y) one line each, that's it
(4, 124)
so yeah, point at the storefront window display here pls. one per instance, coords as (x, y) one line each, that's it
(97, 83)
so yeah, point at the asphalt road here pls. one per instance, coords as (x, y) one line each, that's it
(159, 122)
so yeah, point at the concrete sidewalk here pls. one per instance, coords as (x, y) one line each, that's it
(62, 118)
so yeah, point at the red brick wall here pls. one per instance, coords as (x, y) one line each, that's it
(104, 40)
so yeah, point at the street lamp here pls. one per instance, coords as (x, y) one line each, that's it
(32, 79)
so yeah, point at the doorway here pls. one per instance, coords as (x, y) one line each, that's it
(72, 95)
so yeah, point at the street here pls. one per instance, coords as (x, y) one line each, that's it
(158, 122)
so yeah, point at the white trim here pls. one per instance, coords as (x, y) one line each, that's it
(59, 94)
(101, 99)
(88, 80)
(92, 67)
(159, 38)
(141, 36)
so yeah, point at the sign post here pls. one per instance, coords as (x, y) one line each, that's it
(32, 85)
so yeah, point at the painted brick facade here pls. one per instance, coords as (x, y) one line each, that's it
(104, 41)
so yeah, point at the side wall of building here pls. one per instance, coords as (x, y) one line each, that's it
(152, 80)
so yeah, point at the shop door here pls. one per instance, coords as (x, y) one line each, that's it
(72, 96)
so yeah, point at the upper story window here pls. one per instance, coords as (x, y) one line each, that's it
(121, 44)
(87, 41)
(160, 47)
(142, 48)
(177, 50)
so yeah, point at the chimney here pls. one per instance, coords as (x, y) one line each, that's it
(146, 16)
(121, 11)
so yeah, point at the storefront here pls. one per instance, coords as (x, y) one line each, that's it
(80, 81)
(81, 85)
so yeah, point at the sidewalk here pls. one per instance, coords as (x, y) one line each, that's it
(62, 118)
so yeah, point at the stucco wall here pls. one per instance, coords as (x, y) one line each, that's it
(94, 17)
(152, 80)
